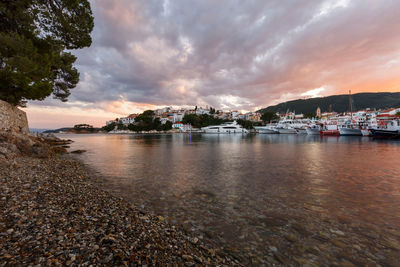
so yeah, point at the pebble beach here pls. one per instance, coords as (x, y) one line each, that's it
(52, 214)
(57, 211)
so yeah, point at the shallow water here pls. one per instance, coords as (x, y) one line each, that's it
(258, 195)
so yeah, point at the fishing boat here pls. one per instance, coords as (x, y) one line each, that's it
(350, 129)
(390, 130)
(286, 127)
(366, 132)
(301, 130)
(313, 129)
(229, 128)
(330, 130)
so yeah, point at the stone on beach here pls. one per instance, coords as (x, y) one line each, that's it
(51, 213)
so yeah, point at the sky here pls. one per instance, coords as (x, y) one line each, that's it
(228, 54)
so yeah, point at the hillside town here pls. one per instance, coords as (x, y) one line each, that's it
(361, 122)
(176, 116)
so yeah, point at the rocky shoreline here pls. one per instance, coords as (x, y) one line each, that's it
(52, 213)
(55, 211)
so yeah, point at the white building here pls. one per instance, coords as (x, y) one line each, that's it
(235, 114)
(182, 127)
(177, 117)
(128, 120)
(392, 111)
(201, 110)
(162, 110)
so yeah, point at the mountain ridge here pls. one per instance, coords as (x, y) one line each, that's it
(338, 103)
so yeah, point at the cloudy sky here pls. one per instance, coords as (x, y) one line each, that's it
(229, 54)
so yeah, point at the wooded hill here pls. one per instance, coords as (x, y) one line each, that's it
(338, 103)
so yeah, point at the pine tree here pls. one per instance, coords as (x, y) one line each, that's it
(34, 37)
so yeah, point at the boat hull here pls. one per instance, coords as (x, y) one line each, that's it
(301, 131)
(313, 131)
(287, 131)
(378, 133)
(227, 131)
(366, 132)
(350, 131)
(330, 133)
(264, 130)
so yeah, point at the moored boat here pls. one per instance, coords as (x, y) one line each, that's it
(286, 130)
(330, 130)
(286, 127)
(225, 128)
(313, 129)
(267, 129)
(390, 130)
(350, 130)
(366, 132)
(301, 130)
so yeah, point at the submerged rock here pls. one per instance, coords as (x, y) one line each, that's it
(79, 151)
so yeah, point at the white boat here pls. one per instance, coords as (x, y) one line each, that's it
(366, 132)
(267, 129)
(286, 130)
(225, 128)
(301, 130)
(350, 129)
(313, 129)
(389, 129)
(286, 127)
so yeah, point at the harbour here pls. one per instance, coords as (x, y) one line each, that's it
(262, 197)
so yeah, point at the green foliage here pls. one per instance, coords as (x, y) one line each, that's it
(167, 126)
(34, 35)
(268, 116)
(202, 120)
(148, 113)
(398, 114)
(109, 127)
(339, 103)
(147, 122)
(83, 126)
(120, 126)
(309, 115)
(245, 124)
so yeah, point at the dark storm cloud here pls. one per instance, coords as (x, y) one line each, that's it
(235, 54)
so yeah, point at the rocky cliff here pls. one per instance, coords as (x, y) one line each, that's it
(12, 119)
(15, 139)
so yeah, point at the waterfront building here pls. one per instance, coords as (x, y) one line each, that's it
(182, 127)
(253, 116)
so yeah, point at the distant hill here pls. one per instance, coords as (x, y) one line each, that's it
(37, 130)
(74, 130)
(340, 103)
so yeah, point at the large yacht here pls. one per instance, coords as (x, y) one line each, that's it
(225, 128)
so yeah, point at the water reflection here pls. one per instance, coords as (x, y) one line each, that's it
(233, 189)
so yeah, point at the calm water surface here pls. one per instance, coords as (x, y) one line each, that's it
(248, 193)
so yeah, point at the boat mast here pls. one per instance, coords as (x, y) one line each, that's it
(351, 107)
